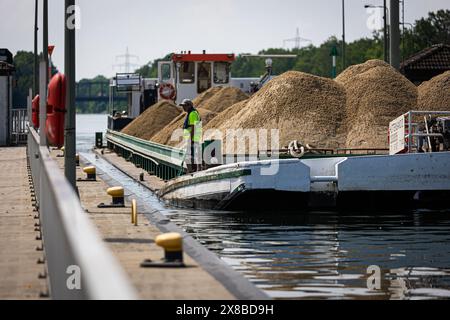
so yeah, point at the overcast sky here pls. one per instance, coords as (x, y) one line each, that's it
(151, 29)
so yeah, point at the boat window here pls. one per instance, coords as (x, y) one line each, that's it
(221, 72)
(187, 72)
(165, 72)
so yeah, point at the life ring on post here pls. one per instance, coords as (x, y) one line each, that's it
(56, 110)
(35, 112)
(167, 91)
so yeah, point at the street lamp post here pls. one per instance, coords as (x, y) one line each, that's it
(344, 62)
(403, 29)
(36, 61)
(386, 46)
(394, 38)
(43, 77)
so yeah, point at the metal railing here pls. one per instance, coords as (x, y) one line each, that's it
(169, 155)
(19, 126)
(162, 161)
(71, 242)
(362, 151)
(412, 126)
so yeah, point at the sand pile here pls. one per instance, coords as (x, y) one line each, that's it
(165, 134)
(302, 106)
(434, 95)
(153, 120)
(209, 104)
(224, 116)
(376, 95)
(205, 96)
(218, 99)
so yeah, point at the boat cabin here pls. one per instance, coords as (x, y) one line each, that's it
(188, 74)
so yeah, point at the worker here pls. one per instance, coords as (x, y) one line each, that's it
(192, 135)
(433, 129)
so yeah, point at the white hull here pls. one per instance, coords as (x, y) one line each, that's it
(318, 182)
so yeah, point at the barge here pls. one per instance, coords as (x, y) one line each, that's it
(405, 178)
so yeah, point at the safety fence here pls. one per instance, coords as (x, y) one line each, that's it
(19, 126)
(79, 264)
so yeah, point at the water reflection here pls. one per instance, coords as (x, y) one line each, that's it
(87, 126)
(323, 255)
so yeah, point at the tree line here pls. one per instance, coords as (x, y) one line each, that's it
(427, 31)
(317, 60)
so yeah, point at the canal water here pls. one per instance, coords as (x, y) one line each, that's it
(320, 255)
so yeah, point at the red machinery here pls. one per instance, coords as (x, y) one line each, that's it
(56, 109)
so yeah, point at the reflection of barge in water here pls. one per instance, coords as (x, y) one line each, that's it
(367, 181)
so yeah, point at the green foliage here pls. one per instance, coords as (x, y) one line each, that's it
(311, 59)
(92, 87)
(24, 64)
(427, 32)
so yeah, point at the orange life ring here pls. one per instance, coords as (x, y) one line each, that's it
(35, 111)
(167, 91)
(56, 110)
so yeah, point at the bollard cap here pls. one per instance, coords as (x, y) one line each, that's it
(116, 192)
(89, 170)
(171, 242)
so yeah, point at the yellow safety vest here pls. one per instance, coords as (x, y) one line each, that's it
(193, 119)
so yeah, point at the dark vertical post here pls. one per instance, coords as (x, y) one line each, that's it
(386, 46)
(344, 62)
(403, 30)
(395, 34)
(45, 36)
(36, 61)
(43, 76)
(69, 67)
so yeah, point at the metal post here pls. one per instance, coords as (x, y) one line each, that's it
(334, 54)
(344, 62)
(386, 46)
(395, 33)
(403, 30)
(69, 67)
(43, 76)
(410, 136)
(45, 37)
(36, 61)
(42, 103)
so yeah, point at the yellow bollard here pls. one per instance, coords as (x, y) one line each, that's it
(118, 195)
(91, 173)
(118, 198)
(134, 214)
(172, 243)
